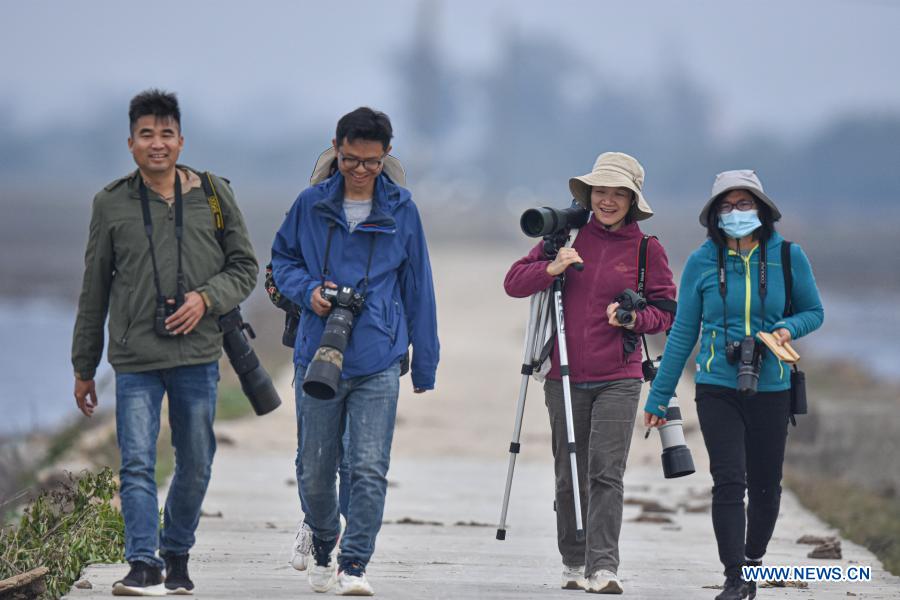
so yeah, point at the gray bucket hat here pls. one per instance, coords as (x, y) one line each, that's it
(613, 169)
(325, 163)
(741, 179)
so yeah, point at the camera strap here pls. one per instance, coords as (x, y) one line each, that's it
(214, 206)
(179, 232)
(365, 282)
(664, 304)
(763, 285)
(788, 278)
(788, 289)
(642, 275)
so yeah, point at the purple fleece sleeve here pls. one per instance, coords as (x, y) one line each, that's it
(528, 275)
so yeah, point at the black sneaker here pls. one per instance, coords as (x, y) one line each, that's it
(735, 589)
(751, 585)
(178, 582)
(142, 580)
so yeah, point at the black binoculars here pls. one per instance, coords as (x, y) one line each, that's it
(629, 302)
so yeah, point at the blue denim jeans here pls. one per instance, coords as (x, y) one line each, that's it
(192, 408)
(343, 469)
(364, 407)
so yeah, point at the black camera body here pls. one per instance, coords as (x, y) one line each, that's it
(344, 297)
(324, 372)
(747, 354)
(629, 302)
(165, 309)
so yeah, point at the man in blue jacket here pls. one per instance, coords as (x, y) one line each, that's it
(358, 229)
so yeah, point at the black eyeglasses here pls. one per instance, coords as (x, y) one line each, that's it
(741, 205)
(369, 164)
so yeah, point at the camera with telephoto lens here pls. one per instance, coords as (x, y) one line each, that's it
(747, 353)
(255, 381)
(629, 302)
(324, 371)
(544, 221)
(676, 456)
(164, 309)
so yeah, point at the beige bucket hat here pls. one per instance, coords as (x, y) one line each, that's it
(326, 167)
(613, 169)
(740, 179)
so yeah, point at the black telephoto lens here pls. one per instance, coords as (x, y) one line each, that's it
(539, 222)
(255, 381)
(748, 368)
(324, 371)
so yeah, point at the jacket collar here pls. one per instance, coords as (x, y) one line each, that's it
(772, 246)
(385, 200)
(625, 232)
(190, 180)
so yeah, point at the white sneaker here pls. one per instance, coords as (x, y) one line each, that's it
(322, 571)
(573, 578)
(353, 585)
(302, 547)
(604, 582)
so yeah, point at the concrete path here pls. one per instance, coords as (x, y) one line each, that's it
(449, 466)
(452, 554)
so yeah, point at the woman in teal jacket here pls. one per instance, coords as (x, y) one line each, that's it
(720, 298)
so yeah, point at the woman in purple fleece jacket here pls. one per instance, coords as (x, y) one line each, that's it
(606, 380)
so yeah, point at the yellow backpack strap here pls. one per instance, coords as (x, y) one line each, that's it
(214, 206)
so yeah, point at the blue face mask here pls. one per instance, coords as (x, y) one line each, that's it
(739, 223)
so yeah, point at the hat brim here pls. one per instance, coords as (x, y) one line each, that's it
(761, 196)
(322, 170)
(581, 190)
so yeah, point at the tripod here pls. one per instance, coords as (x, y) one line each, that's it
(538, 322)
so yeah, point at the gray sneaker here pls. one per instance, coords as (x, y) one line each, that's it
(604, 582)
(573, 578)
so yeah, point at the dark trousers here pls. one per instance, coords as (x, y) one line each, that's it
(745, 438)
(603, 420)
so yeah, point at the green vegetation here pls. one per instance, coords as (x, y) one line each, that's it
(232, 402)
(863, 516)
(65, 529)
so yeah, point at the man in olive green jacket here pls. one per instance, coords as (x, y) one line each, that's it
(164, 286)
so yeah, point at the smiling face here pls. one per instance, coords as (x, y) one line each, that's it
(155, 144)
(610, 205)
(356, 160)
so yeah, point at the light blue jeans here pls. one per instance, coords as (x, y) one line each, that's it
(343, 470)
(192, 408)
(365, 407)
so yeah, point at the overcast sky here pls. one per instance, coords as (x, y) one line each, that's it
(786, 65)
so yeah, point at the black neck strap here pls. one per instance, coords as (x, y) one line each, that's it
(642, 276)
(179, 233)
(365, 283)
(763, 284)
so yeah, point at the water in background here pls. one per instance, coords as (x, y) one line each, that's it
(36, 387)
(37, 381)
(864, 333)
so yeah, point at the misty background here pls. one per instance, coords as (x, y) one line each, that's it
(495, 104)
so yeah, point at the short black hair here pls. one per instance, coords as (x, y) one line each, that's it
(154, 102)
(365, 124)
(718, 236)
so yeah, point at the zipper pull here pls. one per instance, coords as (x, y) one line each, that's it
(171, 214)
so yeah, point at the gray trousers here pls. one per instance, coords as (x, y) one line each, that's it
(603, 418)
